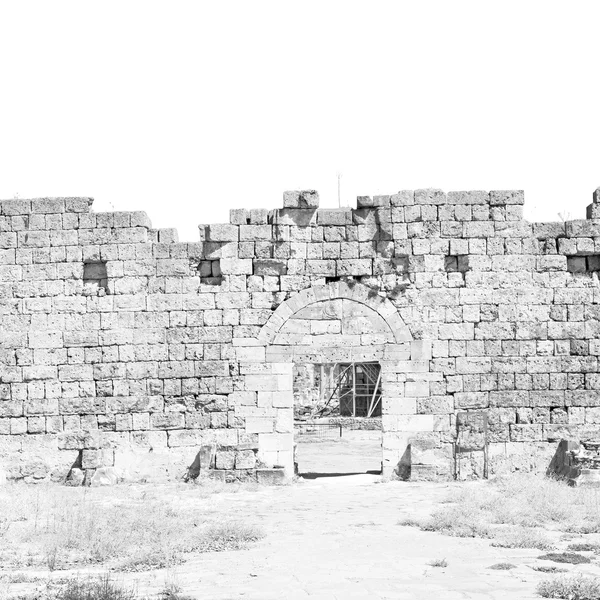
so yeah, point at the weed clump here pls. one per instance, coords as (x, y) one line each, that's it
(549, 569)
(584, 547)
(503, 567)
(228, 536)
(102, 588)
(578, 587)
(510, 509)
(570, 558)
(523, 538)
(173, 592)
(457, 521)
(129, 530)
(439, 562)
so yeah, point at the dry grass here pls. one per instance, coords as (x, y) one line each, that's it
(584, 547)
(549, 569)
(441, 563)
(522, 538)
(101, 588)
(502, 566)
(91, 587)
(126, 527)
(570, 558)
(513, 510)
(173, 592)
(578, 587)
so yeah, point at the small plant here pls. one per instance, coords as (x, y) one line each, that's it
(565, 557)
(4, 525)
(228, 536)
(583, 547)
(549, 569)
(523, 538)
(173, 592)
(409, 522)
(94, 589)
(20, 577)
(51, 556)
(578, 587)
(439, 562)
(457, 522)
(503, 567)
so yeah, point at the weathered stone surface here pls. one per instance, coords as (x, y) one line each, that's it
(75, 477)
(123, 347)
(301, 199)
(104, 476)
(271, 476)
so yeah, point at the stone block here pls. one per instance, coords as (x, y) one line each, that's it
(403, 198)
(225, 459)
(470, 197)
(334, 216)
(259, 424)
(407, 423)
(222, 233)
(48, 205)
(297, 217)
(301, 199)
(525, 433)
(504, 197)
(104, 476)
(245, 459)
(167, 420)
(471, 400)
(269, 267)
(430, 197)
(75, 477)
(271, 476)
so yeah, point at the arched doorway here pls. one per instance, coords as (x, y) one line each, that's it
(336, 323)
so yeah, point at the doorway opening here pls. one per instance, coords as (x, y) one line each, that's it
(337, 419)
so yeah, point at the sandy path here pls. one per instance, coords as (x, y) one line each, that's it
(338, 538)
(355, 452)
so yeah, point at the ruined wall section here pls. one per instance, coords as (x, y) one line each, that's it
(118, 342)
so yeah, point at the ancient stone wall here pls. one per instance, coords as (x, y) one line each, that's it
(123, 349)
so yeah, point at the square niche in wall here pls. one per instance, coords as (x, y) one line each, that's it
(585, 263)
(95, 279)
(210, 272)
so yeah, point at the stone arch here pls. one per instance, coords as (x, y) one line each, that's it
(336, 291)
(267, 369)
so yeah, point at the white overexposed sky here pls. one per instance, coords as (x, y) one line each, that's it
(185, 109)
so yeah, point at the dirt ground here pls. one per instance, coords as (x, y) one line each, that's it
(338, 538)
(355, 452)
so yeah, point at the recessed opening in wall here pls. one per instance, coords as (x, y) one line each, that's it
(337, 418)
(210, 272)
(95, 278)
(458, 263)
(347, 278)
(583, 264)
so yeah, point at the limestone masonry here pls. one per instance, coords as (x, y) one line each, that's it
(126, 354)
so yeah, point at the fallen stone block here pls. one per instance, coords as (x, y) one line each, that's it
(104, 476)
(274, 476)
